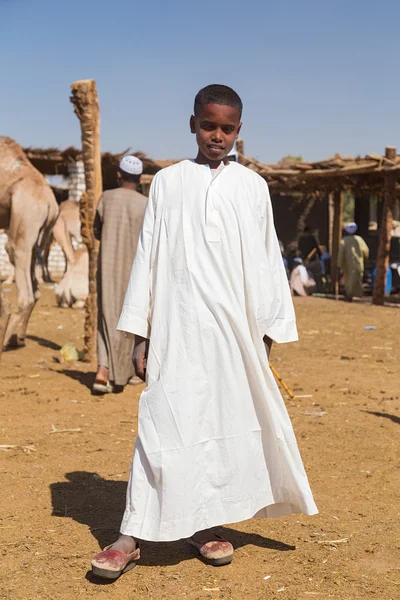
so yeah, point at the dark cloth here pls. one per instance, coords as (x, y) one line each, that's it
(307, 243)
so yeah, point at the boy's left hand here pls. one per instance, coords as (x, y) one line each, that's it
(140, 357)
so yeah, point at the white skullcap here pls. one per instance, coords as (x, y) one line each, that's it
(351, 228)
(131, 165)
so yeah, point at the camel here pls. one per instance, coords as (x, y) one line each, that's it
(28, 211)
(73, 289)
(68, 226)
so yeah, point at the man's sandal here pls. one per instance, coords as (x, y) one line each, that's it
(101, 388)
(110, 564)
(216, 552)
(135, 381)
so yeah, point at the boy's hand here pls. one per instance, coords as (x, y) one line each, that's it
(140, 357)
(268, 343)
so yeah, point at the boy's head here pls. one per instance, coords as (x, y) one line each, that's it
(216, 121)
(129, 170)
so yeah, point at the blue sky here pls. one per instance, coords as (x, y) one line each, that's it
(315, 77)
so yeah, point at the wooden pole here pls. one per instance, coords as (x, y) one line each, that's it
(331, 212)
(385, 233)
(336, 238)
(4, 317)
(86, 105)
(282, 382)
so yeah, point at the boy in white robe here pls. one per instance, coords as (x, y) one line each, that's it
(207, 296)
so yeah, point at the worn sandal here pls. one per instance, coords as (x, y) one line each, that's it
(102, 388)
(110, 564)
(216, 552)
(135, 381)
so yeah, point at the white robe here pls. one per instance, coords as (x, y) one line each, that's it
(215, 442)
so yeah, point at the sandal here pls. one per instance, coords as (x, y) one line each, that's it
(135, 381)
(216, 552)
(102, 388)
(111, 564)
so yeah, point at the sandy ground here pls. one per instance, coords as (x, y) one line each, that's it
(63, 499)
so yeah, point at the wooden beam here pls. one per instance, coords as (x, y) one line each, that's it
(385, 233)
(336, 238)
(86, 105)
(4, 317)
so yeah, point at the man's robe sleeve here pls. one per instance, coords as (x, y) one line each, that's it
(282, 327)
(135, 316)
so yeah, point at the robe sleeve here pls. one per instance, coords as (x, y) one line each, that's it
(282, 327)
(135, 316)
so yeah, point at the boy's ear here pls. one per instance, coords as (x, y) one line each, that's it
(238, 129)
(193, 124)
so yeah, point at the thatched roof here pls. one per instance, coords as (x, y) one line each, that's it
(339, 172)
(53, 161)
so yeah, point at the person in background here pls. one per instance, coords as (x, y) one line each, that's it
(118, 222)
(353, 251)
(301, 282)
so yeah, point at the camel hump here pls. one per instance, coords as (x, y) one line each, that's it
(15, 165)
(10, 149)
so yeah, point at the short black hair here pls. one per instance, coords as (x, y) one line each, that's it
(218, 94)
(129, 177)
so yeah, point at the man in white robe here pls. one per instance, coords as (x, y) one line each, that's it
(208, 285)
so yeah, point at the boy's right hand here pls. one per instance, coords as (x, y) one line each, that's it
(140, 357)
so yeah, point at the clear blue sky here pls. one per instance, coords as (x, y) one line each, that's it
(316, 77)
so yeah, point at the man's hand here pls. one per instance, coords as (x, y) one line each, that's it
(140, 356)
(268, 343)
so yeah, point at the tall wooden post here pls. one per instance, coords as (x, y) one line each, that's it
(331, 212)
(385, 233)
(85, 100)
(4, 317)
(336, 238)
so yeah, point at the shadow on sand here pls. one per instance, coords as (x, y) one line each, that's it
(84, 378)
(99, 503)
(43, 342)
(393, 418)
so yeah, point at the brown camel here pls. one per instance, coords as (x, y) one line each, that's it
(68, 226)
(28, 211)
(73, 289)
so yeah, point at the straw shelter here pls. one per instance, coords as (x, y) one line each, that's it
(326, 180)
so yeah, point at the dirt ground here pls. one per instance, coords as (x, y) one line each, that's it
(63, 499)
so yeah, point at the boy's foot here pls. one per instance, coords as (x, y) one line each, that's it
(212, 547)
(116, 559)
(135, 381)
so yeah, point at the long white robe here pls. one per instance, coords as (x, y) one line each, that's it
(215, 442)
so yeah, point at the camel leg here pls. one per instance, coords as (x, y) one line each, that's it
(10, 278)
(23, 324)
(4, 317)
(16, 329)
(62, 237)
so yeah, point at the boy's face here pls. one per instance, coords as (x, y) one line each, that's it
(216, 127)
